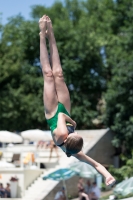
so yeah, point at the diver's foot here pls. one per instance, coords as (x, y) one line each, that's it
(43, 25)
(49, 27)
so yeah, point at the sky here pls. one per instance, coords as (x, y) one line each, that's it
(9, 8)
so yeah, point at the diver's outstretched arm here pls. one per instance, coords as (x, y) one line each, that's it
(100, 168)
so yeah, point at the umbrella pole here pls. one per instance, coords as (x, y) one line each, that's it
(64, 185)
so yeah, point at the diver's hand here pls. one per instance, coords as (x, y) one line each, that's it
(110, 180)
(74, 124)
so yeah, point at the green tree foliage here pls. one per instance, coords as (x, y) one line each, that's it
(119, 95)
(20, 77)
(125, 171)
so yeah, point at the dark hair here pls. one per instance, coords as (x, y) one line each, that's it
(73, 145)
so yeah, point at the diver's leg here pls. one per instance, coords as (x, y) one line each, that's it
(61, 88)
(49, 95)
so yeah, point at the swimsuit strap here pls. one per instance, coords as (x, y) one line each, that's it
(60, 145)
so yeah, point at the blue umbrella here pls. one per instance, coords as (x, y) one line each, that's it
(61, 174)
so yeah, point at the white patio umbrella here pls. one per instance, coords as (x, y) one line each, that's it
(36, 135)
(4, 164)
(9, 137)
(84, 170)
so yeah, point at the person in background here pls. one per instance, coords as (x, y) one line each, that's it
(1, 154)
(53, 147)
(2, 191)
(81, 190)
(95, 192)
(88, 187)
(7, 191)
(60, 195)
(40, 144)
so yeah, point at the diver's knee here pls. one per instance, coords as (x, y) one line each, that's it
(47, 72)
(58, 73)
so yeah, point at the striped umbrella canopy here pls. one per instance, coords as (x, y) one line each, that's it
(62, 173)
(84, 170)
(125, 187)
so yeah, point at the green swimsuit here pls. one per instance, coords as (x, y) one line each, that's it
(52, 122)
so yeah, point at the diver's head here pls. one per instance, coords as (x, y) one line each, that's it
(73, 144)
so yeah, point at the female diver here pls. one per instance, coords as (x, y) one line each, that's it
(57, 102)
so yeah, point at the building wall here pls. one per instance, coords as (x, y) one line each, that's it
(71, 186)
(30, 175)
(25, 178)
(7, 174)
(103, 150)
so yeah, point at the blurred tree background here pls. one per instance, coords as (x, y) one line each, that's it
(95, 42)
